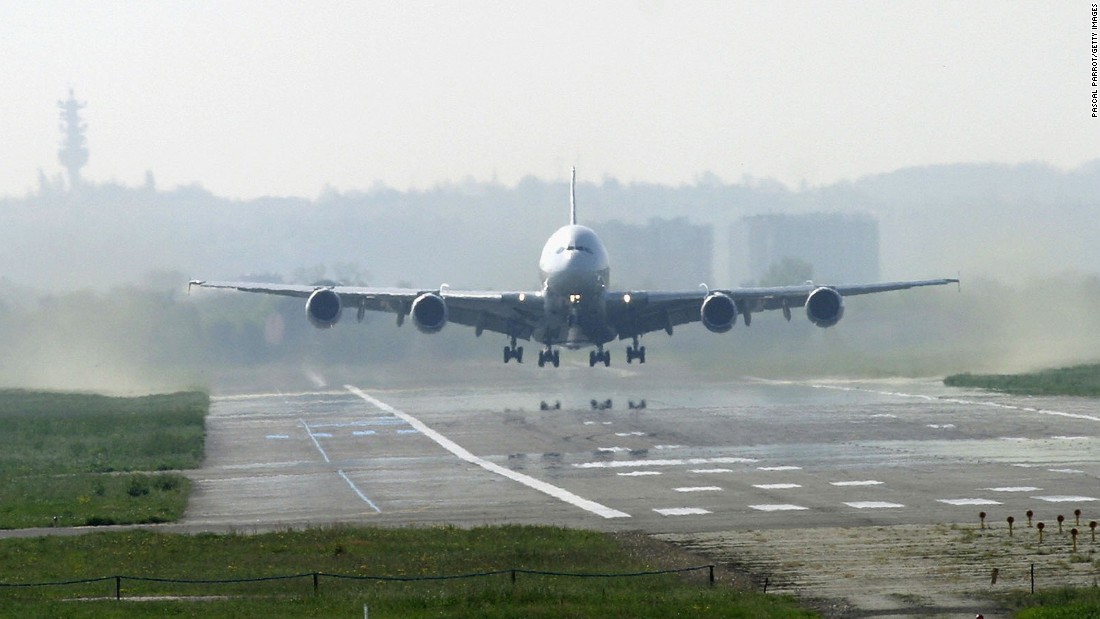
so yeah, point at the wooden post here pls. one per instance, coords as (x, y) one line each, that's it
(981, 516)
(1010, 521)
(1073, 534)
(1092, 525)
(1029, 515)
(1061, 519)
(1077, 517)
(1040, 526)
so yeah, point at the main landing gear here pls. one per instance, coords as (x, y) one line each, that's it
(549, 356)
(635, 352)
(599, 356)
(514, 352)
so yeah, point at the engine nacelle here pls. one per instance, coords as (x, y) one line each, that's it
(824, 307)
(429, 312)
(323, 308)
(718, 312)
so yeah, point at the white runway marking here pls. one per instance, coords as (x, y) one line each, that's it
(782, 507)
(1065, 499)
(630, 434)
(340, 472)
(272, 437)
(704, 471)
(681, 511)
(459, 451)
(638, 473)
(698, 489)
(961, 401)
(779, 468)
(776, 486)
(1070, 438)
(667, 446)
(1072, 471)
(1015, 489)
(941, 426)
(864, 482)
(960, 502)
(670, 462)
(873, 505)
(612, 449)
(363, 433)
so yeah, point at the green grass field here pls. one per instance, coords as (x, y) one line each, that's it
(363, 551)
(78, 459)
(1080, 380)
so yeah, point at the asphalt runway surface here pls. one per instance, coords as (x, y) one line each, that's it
(703, 455)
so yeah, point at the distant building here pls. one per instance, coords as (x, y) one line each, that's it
(74, 148)
(665, 253)
(841, 247)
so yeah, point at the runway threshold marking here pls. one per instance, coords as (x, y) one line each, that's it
(463, 454)
(313, 437)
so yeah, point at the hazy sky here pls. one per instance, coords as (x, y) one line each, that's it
(254, 98)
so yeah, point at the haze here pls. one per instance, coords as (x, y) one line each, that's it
(417, 144)
(258, 98)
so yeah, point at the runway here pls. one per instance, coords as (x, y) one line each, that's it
(703, 455)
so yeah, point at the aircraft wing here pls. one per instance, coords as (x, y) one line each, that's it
(514, 314)
(633, 313)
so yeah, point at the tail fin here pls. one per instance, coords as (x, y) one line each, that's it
(573, 198)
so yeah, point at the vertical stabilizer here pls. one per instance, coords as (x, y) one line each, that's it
(573, 198)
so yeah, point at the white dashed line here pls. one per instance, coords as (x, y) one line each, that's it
(705, 471)
(277, 437)
(1014, 489)
(776, 486)
(1065, 499)
(1071, 471)
(874, 505)
(638, 473)
(864, 482)
(782, 507)
(779, 468)
(698, 489)
(960, 502)
(681, 511)
(659, 462)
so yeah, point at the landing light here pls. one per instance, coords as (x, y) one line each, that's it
(574, 298)
(626, 298)
(522, 297)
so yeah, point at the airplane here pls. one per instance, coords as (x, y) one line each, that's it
(575, 307)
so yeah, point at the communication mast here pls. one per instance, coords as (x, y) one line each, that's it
(74, 150)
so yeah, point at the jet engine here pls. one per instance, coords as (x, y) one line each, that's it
(323, 308)
(429, 312)
(718, 312)
(824, 307)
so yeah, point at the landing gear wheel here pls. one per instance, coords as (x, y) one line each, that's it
(513, 352)
(599, 356)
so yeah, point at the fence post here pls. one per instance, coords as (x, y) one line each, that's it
(1032, 579)
(315, 583)
(513, 577)
(711, 568)
(118, 588)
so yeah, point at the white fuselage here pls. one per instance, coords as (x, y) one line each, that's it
(575, 274)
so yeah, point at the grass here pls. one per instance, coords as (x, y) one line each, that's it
(363, 551)
(1080, 380)
(1059, 604)
(79, 459)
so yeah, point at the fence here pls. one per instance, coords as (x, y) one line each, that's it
(318, 576)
